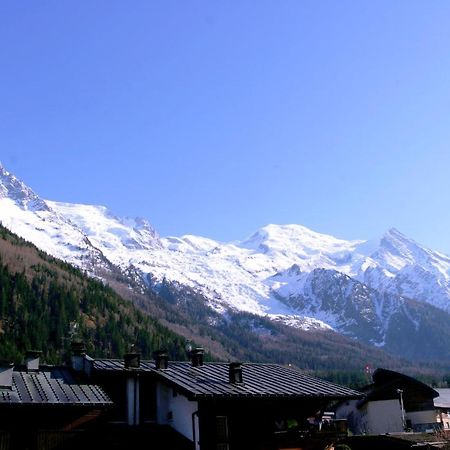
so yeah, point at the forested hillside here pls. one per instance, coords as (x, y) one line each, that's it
(44, 302)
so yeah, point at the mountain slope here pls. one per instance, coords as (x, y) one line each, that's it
(41, 298)
(374, 291)
(45, 302)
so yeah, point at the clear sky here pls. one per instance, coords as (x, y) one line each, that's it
(216, 118)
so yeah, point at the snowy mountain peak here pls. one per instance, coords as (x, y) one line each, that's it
(143, 224)
(115, 236)
(396, 238)
(396, 251)
(17, 191)
(394, 233)
(282, 238)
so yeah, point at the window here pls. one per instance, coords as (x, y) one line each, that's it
(221, 433)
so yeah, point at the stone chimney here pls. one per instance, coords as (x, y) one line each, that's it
(161, 359)
(78, 353)
(197, 357)
(132, 360)
(6, 372)
(235, 373)
(32, 360)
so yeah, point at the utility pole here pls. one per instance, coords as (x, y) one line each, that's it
(400, 392)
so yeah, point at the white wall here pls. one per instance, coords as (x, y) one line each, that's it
(418, 417)
(163, 394)
(175, 410)
(133, 395)
(376, 417)
(384, 416)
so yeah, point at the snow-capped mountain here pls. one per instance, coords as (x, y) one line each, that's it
(29, 216)
(286, 272)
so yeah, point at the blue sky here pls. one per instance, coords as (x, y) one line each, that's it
(216, 118)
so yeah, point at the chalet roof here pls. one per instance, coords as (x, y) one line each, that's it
(51, 385)
(387, 382)
(118, 365)
(259, 380)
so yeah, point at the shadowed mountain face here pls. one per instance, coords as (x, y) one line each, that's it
(389, 292)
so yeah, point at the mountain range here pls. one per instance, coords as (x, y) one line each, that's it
(390, 292)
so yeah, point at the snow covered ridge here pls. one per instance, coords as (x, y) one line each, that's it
(286, 272)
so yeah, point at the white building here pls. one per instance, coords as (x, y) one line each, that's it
(393, 403)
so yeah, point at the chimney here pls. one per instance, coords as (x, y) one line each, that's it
(32, 360)
(132, 360)
(235, 373)
(78, 353)
(161, 359)
(197, 357)
(6, 372)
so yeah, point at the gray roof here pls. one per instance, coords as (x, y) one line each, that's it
(52, 385)
(443, 401)
(117, 365)
(259, 381)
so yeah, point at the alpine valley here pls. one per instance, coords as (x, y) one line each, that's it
(390, 293)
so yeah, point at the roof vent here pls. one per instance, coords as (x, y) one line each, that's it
(235, 372)
(197, 357)
(32, 360)
(6, 372)
(132, 360)
(161, 359)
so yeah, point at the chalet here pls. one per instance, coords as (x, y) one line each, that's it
(393, 403)
(218, 405)
(35, 398)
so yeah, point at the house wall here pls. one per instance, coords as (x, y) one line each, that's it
(384, 416)
(421, 417)
(252, 423)
(175, 410)
(376, 417)
(132, 395)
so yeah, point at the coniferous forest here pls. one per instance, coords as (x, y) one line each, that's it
(44, 303)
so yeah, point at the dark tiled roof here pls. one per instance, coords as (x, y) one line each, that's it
(385, 376)
(259, 380)
(117, 365)
(387, 382)
(52, 385)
